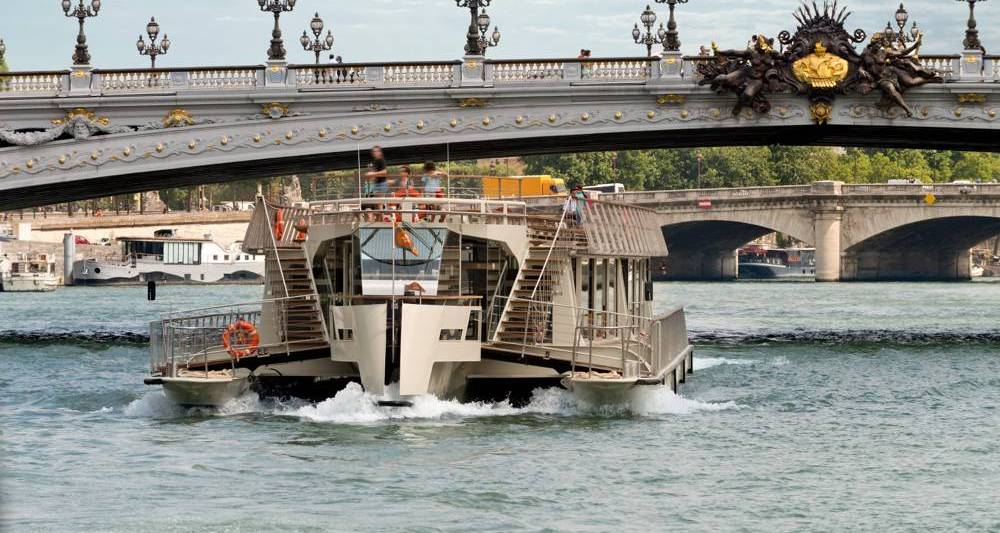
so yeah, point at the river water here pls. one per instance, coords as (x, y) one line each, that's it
(855, 407)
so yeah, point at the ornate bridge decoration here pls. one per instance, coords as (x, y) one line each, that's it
(818, 61)
(89, 132)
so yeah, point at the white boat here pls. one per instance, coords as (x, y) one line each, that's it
(463, 299)
(977, 271)
(23, 272)
(171, 260)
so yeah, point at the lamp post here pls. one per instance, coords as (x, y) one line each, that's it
(901, 38)
(277, 50)
(81, 56)
(476, 42)
(971, 41)
(700, 157)
(648, 18)
(3, 50)
(672, 42)
(153, 49)
(316, 45)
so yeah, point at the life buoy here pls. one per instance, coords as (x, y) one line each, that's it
(279, 224)
(241, 339)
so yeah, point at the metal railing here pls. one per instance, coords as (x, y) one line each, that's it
(655, 342)
(193, 339)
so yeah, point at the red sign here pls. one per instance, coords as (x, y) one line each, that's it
(705, 203)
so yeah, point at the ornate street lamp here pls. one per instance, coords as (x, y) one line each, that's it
(648, 19)
(316, 45)
(277, 50)
(476, 42)
(900, 38)
(673, 43)
(81, 56)
(971, 41)
(153, 49)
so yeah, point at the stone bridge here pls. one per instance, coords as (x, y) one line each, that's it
(861, 232)
(87, 133)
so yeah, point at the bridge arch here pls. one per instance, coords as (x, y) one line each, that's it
(706, 248)
(935, 248)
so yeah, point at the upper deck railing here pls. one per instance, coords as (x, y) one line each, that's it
(400, 75)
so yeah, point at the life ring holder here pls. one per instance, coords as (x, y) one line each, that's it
(241, 339)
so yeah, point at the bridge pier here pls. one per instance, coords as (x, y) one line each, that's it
(908, 265)
(828, 232)
(701, 266)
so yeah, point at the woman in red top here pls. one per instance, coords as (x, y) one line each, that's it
(405, 189)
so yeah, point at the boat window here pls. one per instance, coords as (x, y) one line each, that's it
(225, 258)
(215, 258)
(401, 260)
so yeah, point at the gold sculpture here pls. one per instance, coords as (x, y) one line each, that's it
(820, 69)
(178, 118)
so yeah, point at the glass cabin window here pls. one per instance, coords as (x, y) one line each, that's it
(402, 260)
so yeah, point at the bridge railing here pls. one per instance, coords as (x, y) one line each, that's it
(937, 189)
(41, 83)
(747, 193)
(991, 68)
(949, 66)
(417, 75)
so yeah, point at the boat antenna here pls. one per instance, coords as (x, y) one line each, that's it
(360, 194)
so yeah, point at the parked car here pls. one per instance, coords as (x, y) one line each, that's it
(80, 239)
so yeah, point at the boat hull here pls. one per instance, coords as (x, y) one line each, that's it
(92, 272)
(204, 392)
(601, 391)
(32, 284)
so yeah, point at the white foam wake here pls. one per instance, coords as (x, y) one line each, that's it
(701, 363)
(354, 406)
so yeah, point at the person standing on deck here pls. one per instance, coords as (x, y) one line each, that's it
(432, 185)
(377, 180)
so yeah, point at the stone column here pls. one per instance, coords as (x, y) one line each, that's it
(828, 217)
(69, 256)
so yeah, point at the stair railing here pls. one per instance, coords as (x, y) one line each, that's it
(282, 314)
(501, 282)
(545, 265)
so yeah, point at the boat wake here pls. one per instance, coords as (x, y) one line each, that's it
(354, 406)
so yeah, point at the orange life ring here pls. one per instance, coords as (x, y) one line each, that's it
(241, 339)
(279, 224)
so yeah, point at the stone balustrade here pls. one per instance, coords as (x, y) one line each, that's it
(21, 84)
(992, 69)
(525, 72)
(947, 66)
(429, 75)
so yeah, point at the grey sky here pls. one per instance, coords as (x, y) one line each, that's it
(216, 32)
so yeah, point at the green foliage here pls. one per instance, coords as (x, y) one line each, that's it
(763, 166)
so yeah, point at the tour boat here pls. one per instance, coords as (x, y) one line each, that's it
(463, 299)
(23, 272)
(758, 262)
(170, 259)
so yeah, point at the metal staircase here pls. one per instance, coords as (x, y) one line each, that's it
(527, 317)
(301, 318)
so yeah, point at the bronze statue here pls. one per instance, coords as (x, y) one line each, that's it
(892, 72)
(745, 72)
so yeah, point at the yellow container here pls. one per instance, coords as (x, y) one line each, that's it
(522, 186)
